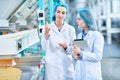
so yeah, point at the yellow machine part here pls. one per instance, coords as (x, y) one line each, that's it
(7, 62)
(10, 73)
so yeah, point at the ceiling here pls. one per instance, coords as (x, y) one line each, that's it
(24, 11)
(7, 7)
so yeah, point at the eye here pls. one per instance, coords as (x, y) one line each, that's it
(63, 12)
(58, 11)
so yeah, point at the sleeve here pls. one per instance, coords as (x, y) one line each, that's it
(70, 46)
(97, 51)
(44, 41)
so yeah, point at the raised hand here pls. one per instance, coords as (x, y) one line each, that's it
(47, 29)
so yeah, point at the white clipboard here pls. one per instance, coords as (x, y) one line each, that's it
(82, 44)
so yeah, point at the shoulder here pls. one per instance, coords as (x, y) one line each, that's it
(95, 33)
(52, 25)
(79, 36)
(98, 34)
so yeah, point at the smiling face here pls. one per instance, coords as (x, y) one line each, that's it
(60, 13)
(80, 22)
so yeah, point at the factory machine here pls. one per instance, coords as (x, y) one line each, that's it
(21, 55)
(20, 52)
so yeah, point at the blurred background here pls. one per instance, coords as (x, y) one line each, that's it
(26, 18)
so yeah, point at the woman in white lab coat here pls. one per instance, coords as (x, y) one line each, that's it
(57, 42)
(88, 65)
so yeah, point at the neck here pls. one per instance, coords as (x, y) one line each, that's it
(59, 24)
(86, 29)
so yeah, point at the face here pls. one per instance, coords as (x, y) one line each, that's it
(60, 13)
(80, 22)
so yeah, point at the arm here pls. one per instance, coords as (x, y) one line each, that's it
(70, 46)
(97, 50)
(45, 37)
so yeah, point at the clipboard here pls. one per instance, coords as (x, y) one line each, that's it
(82, 44)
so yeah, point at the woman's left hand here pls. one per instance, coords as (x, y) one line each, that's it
(77, 56)
(76, 51)
(63, 45)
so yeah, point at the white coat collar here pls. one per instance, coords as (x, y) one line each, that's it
(89, 34)
(56, 29)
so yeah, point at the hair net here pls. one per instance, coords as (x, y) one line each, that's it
(56, 6)
(87, 17)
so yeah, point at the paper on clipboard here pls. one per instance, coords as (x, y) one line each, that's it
(82, 44)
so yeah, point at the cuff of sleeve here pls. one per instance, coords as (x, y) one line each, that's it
(68, 50)
(81, 55)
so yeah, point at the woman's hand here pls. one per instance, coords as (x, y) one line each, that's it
(77, 56)
(63, 45)
(47, 30)
(76, 51)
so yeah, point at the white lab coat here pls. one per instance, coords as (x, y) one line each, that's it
(89, 67)
(58, 61)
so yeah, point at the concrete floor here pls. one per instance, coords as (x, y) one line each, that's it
(111, 61)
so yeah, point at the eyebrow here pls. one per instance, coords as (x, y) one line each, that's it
(59, 10)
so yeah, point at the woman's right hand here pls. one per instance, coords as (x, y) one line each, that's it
(47, 30)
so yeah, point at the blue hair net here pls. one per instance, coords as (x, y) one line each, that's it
(56, 6)
(87, 17)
